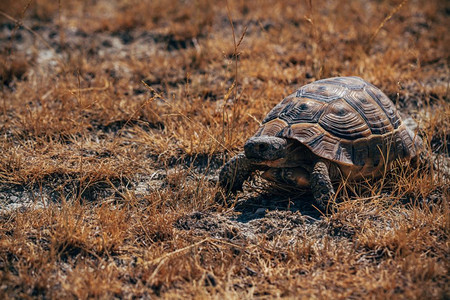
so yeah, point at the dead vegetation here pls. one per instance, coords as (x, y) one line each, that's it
(115, 117)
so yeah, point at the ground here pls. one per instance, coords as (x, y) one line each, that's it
(116, 116)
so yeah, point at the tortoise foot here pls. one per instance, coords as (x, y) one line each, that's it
(233, 174)
(321, 185)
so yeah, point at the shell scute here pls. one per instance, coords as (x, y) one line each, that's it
(305, 133)
(369, 110)
(273, 128)
(360, 152)
(344, 153)
(351, 83)
(342, 121)
(375, 149)
(325, 145)
(274, 113)
(302, 110)
(324, 92)
(410, 142)
(384, 103)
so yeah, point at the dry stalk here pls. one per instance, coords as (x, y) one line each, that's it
(381, 25)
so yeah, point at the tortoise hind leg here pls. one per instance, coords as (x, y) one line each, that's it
(233, 174)
(321, 184)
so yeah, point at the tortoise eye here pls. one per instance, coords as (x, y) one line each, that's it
(262, 147)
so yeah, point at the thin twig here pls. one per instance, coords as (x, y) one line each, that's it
(167, 255)
(391, 14)
(40, 37)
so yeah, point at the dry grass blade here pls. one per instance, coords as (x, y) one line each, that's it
(381, 25)
(36, 34)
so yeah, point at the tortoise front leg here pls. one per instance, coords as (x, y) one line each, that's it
(321, 184)
(233, 174)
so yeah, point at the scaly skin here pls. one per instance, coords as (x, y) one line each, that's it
(237, 170)
(321, 184)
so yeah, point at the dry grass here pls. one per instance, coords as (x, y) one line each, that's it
(115, 116)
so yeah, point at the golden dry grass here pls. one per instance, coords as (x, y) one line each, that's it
(115, 116)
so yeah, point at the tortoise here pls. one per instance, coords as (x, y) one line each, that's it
(340, 127)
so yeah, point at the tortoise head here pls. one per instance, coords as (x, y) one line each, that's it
(266, 147)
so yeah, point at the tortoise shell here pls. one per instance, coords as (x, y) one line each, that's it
(345, 120)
